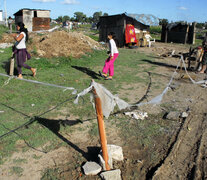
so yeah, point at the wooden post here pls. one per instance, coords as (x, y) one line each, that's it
(11, 71)
(186, 34)
(101, 128)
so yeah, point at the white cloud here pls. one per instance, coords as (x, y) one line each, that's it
(182, 8)
(43, 0)
(70, 2)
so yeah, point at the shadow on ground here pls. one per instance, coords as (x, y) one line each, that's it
(87, 71)
(54, 126)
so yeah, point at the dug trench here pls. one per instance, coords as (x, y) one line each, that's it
(185, 155)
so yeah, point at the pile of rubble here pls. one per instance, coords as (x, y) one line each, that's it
(115, 153)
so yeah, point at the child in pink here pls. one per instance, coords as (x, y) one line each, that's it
(109, 63)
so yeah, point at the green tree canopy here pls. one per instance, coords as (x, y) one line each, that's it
(96, 16)
(105, 14)
(65, 18)
(79, 17)
(59, 19)
(163, 22)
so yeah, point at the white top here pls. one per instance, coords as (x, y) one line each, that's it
(21, 44)
(112, 47)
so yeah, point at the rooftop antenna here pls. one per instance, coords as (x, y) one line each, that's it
(5, 13)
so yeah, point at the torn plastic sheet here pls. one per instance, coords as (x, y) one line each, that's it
(109, 101)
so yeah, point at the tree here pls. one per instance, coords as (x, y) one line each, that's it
(65, 18)
(163, 22)
(79, 17)
(72, 19)
(96, 16)
(200, 25)
(89, 19)
(105, 14)
(59, 19)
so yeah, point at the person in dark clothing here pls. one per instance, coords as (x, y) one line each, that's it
(204, 59)
(20, 49)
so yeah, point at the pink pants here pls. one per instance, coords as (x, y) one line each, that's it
(109, 65)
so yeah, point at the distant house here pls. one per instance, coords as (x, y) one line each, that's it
(117, 24)
(34, 19)
(179, 33)
(1, 15)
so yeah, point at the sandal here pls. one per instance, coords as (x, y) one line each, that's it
(102, 75)
(108, 78)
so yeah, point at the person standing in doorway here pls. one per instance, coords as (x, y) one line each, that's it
(20, 49)
(109, 63)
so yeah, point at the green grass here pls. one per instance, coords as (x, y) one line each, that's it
(96, 38)
(22, 100)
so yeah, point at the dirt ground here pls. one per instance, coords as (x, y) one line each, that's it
(180, 154)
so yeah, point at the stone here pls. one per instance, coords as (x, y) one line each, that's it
(184, 115)
(115, 152)
(113, 174)
(91, 168)
(102, 162)
(174, 115)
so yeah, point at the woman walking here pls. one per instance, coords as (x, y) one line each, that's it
(20, 50)
(109, 63)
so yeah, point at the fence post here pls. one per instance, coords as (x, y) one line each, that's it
(101, 128)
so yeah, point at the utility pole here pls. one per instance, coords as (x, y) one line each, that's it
(6, 23)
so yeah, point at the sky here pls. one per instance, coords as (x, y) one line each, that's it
(173, 10)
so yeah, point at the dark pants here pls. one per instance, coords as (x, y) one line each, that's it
(21, 56)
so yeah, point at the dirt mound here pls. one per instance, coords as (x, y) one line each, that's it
(7, 38)
(57, 43)
(61, 43)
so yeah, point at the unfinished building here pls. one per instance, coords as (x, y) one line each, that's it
(34, 19)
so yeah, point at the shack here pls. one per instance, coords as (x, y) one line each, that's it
(178, 33)
(117, 24)
(34, 19)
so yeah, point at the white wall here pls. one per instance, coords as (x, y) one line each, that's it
(27, 19)
(43, 14)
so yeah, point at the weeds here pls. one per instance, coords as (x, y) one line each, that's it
(17, 170)
(50, 174)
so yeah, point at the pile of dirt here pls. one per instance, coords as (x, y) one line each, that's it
(7, 38)
(58, 43)
(61, 43)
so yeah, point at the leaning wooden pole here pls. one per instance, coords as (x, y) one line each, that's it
(101, 128)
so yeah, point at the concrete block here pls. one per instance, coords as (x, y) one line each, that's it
(115, 152)
(91, 168)
(102, 162)
(113, 174)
